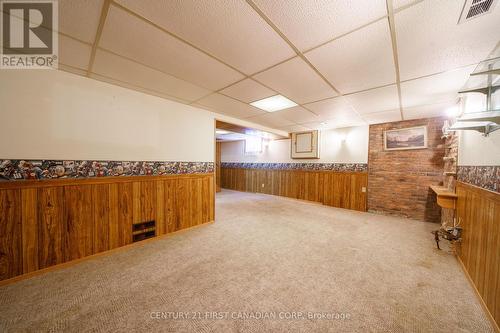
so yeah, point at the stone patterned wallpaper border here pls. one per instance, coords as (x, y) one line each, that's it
(487, 177)
(56, 169)
(342, 167)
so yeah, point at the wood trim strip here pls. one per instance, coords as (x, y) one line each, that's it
(481, 301)
(96, 255)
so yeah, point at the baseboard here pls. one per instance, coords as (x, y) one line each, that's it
(483, 304)
(93, 256)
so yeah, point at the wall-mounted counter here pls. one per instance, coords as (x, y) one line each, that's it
(445, 197)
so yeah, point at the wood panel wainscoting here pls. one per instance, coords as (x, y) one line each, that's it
(49, 222)
(332, 188)
(478, 212)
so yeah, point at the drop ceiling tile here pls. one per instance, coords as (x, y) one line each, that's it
(344, 120)
(134, 87)
(228, 106)
(382, 117)
(248, 91)
(495, 53)
(331, 108)
(375, 100)
(396, 4)
(430, 40)
(294, 128)
(316, 125)
(351, 122)
(310, 23)
(73, 52)
(357, 61)
(428, 111)
(271, 120)
(80, 19)
(230, 30)
(336, 123)
(298, 114)
(133, 38)
(118, 68)
(297, 81)
(435, 88)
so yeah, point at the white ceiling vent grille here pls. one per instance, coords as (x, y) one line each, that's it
(476, 8)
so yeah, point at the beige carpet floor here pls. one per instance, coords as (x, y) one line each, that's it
(268, 264)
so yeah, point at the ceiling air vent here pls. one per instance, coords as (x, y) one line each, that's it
(476, 8)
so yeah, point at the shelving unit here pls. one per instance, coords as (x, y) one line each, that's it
(485, 79)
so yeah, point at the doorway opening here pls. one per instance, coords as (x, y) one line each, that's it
(236, 144)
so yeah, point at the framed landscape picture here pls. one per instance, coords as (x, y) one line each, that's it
(406, 138)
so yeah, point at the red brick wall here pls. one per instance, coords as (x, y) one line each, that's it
(398, 180)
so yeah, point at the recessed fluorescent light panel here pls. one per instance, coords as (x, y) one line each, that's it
(274, 103)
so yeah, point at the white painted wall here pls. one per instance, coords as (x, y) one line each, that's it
(345, 145)
(47, 114)
(56, 115)
(475, 149)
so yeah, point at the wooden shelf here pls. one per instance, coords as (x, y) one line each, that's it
(445, 197)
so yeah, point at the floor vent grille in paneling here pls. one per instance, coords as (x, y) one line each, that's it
(143, 230)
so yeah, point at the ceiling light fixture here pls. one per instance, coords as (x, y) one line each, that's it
(274, 103)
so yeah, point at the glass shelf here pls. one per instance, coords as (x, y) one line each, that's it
(485, 127)
(487, 66)
(480, 83)
(488, 116)
(485, 75)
